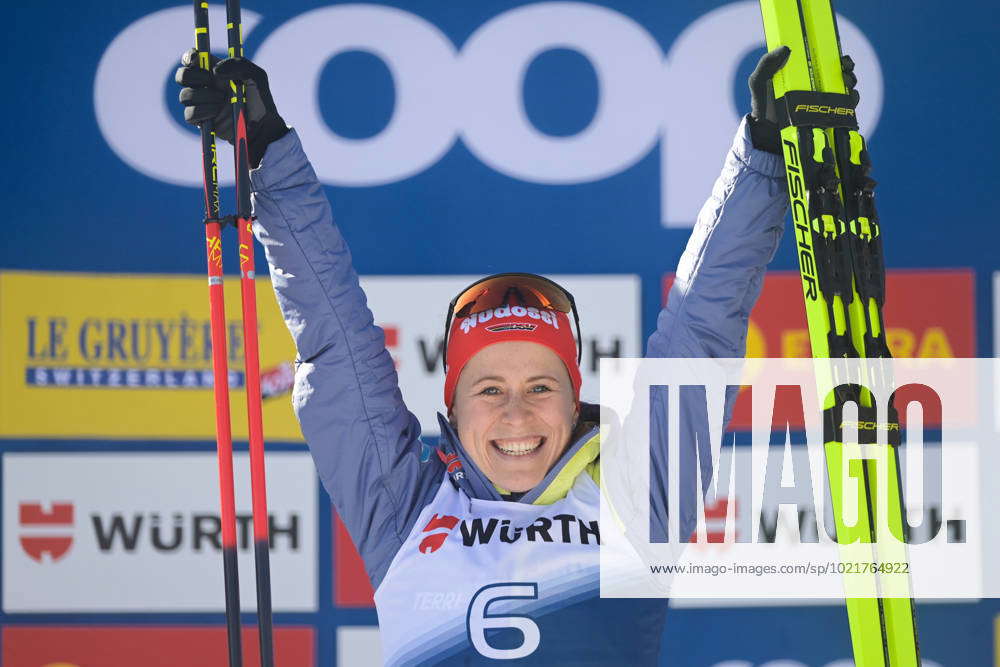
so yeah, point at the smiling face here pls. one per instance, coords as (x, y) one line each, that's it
(514, 410)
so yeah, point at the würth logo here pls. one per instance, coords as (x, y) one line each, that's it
(565, 528)
(433, 542)
(52, 531)
(46, 532)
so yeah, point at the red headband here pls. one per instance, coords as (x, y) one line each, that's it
(471, 334)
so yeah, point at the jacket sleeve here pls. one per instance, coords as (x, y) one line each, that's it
(721, 272)
(363, 440)
(718, 280)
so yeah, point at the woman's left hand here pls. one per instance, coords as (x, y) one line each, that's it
(765, 126)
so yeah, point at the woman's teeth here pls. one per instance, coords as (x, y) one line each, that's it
(518, 446)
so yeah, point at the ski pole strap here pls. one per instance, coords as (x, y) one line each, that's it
(816, 109)
(867, 424)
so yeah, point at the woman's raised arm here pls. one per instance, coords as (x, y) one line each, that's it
(364, 441)
(721, 272)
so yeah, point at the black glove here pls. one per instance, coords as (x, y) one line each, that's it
(765, 128)
(206, 96)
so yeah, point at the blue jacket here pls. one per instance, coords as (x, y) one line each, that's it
(364, 441)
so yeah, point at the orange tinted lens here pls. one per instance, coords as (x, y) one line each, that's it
(523, 290)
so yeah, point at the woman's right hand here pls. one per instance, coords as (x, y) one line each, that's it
(206, 96)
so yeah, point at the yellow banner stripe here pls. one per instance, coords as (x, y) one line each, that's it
(996, 641)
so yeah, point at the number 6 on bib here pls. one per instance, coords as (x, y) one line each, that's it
(479, 620)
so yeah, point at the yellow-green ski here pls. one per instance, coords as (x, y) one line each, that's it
(839, 246)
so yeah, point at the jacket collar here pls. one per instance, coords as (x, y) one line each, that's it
(582, 452)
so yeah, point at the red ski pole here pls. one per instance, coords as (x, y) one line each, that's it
(220, 368)
(261, 528)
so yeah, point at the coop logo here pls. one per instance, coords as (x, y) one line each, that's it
(46, 533)
(474, 94)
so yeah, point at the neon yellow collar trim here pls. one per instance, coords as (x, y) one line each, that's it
(587, 459)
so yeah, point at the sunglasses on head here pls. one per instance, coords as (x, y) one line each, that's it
(525, 289)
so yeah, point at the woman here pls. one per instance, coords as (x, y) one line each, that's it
(487, 551)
